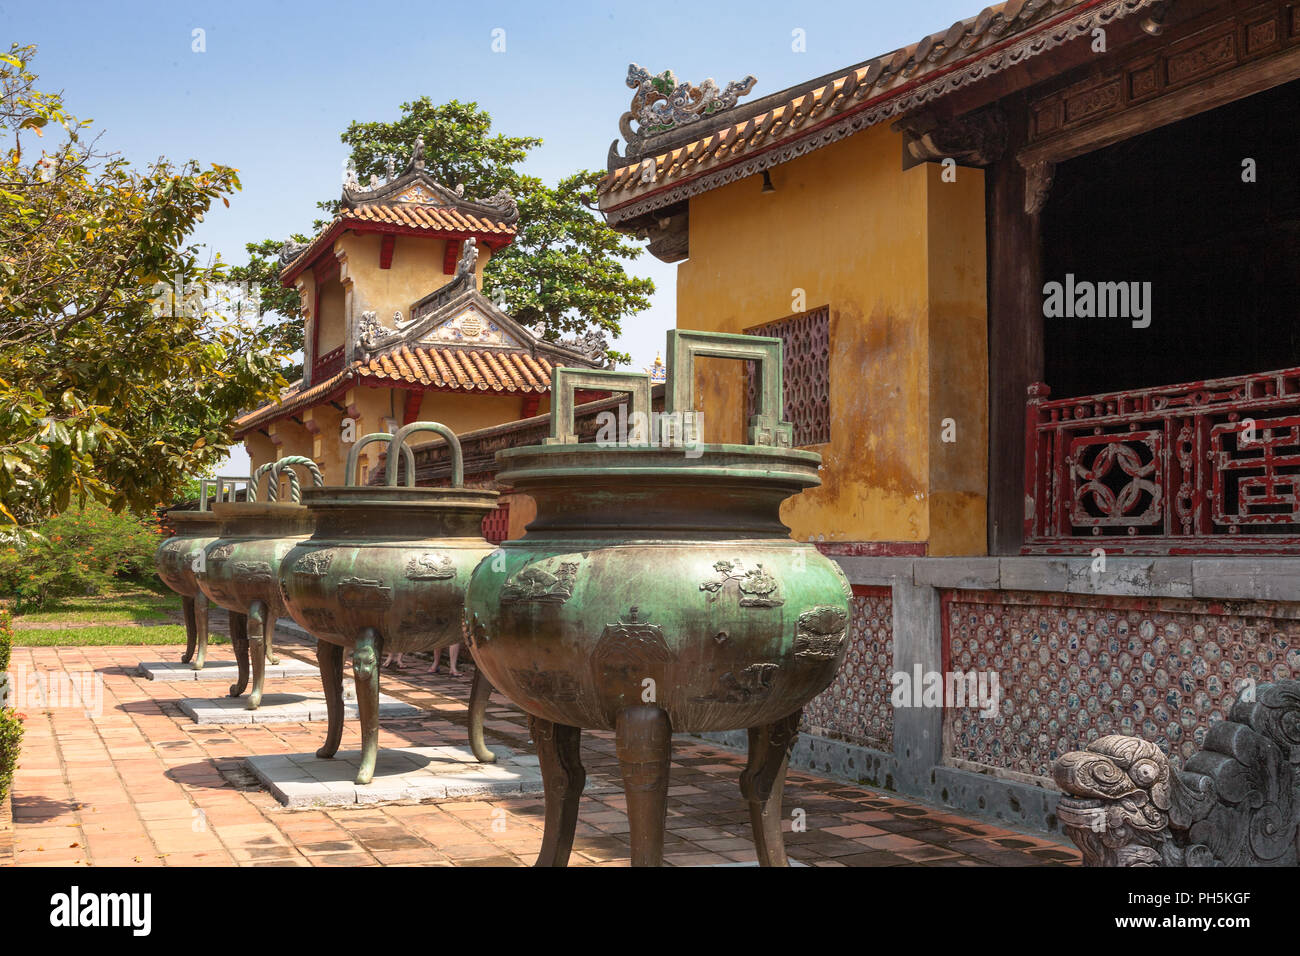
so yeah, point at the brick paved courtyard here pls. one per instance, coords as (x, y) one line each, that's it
(141, 785)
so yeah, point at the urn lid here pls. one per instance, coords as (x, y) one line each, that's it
(192, 522)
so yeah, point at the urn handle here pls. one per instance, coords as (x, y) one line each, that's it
(286, 465)
(565, 383)
(257, 478)
(350, 472)
(221, 483)
(766, 427)
(399, 441)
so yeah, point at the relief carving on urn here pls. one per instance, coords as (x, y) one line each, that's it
(757, 587)
(429, 566)
(535, 585)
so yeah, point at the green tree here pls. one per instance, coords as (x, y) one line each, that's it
(121, 363)
(565, 269)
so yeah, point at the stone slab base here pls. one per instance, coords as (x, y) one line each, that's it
(283, 709)
(223, 670)
(410, 773)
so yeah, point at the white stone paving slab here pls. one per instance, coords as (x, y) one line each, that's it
(409, 773)
(224, 670)
(283, 709)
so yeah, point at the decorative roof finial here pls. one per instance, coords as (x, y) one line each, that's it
(417, 156)
(390, 169)
(468, 258)
(662, 104)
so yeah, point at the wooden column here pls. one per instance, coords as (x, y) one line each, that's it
(1015, 332)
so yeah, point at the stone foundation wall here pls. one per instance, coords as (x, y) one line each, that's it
(1156, 647)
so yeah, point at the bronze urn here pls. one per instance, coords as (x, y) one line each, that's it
(176, 561)
(385, 571)
(657, 591)
(238, 570)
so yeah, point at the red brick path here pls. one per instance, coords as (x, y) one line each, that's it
(142, 786)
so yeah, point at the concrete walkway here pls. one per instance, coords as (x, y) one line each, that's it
(136, 783)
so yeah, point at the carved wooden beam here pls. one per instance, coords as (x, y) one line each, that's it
(976, 139)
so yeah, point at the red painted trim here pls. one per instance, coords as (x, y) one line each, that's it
(412, 410)
(386, 250)
(873, 590)
(857, 549)
(528, 408)
(451, 256)
(315, 334)
(325, 268)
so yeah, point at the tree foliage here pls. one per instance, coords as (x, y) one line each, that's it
(565, 270)
(121, 367)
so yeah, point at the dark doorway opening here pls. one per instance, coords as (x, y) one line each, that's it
(1170, 207)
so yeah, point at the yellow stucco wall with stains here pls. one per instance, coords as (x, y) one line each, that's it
(898, 256)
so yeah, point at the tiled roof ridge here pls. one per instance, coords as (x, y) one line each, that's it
(790, 123)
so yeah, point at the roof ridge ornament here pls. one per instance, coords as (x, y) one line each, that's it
(417, 155)
(662, 103)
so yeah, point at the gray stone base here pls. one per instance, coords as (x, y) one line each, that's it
(224, 670)
(833, 758)
(283, 709)
(411, 773)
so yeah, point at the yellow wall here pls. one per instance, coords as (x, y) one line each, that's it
(898, 255)
(416, 271)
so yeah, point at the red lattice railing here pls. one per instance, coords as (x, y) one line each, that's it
(1206, 467)
(328, 364)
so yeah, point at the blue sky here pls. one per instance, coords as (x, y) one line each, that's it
(278, 82)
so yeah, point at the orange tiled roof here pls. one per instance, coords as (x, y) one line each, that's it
(783, 125)
(498, 370)
(444, 369)
(429, 217)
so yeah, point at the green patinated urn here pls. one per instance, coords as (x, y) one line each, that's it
(241, 563)
(658, 571)
(385, 571)
(175, 557)
(395, 560)
(239, 567)
(651, 578)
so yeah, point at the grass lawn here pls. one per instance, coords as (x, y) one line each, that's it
(130, 614)
(128, 604)
(99, 634)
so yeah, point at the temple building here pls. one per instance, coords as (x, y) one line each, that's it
(1036, 279)
(397, 329)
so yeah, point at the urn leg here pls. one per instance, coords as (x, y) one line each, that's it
(239, 642)
(331, 677)
(272, 615)
(365, 669)
(257, 614)
(201, 605)
(480, 692)
(187, 608)
(563, 777)
(762, 783)
(644, 737)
